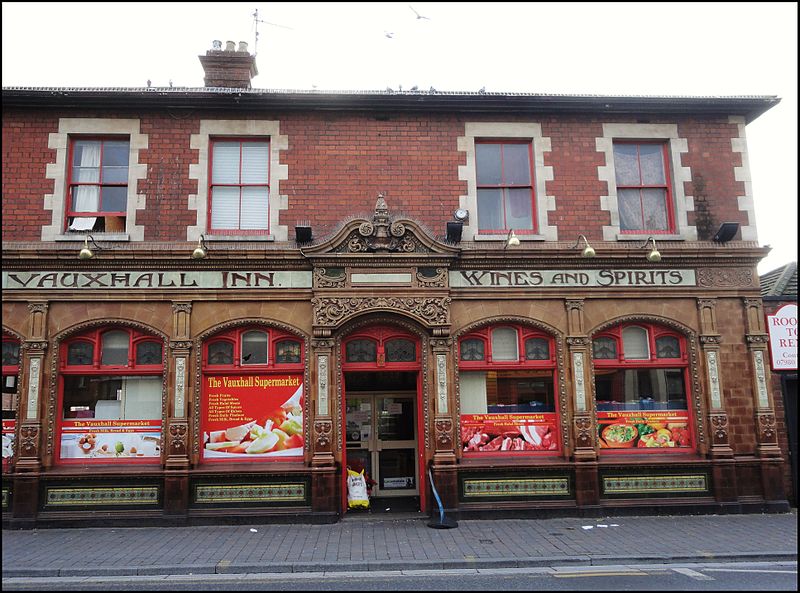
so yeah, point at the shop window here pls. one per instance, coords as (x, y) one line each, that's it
(505, 187)
(110, 400)
(98, 184)
(641, 389)
(508, 399)
(252, 396)
(10, 397)
(239, 186)
(643, 188)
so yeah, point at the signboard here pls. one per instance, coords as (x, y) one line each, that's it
(782, 328)
(154, 280)
(252, 417)
(644, 430)
(606, 278)
(8, 441)
(509, 433)
(110, 441)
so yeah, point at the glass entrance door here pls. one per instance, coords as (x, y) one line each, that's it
(382, 440)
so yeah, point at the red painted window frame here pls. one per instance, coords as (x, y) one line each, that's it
(211, 185)
(654, 331)
(667, 186)
(69, 212)
(504, 186)
(234, 336)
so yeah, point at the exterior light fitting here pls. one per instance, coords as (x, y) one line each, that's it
(85, 252)
(654, 255)
(588, 251)
(303, 233)
(726, 232)
(454, 229)
(201, 251)
(511, 239)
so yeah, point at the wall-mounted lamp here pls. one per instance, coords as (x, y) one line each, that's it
(588, 251)
(726, 232)
(201, 251)
(303, 232)
(454, 229)
(87, 253)
(654, 255)
(511, 239)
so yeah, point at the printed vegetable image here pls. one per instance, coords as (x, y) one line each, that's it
(620, 435)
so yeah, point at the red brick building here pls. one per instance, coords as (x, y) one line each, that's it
(215, 300)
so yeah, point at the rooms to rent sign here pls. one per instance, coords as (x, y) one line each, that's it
(782, 328)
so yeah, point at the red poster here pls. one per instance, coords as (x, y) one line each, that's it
(250, 417)
(105, 441)
(8, 441)
(509, 432)
(663, 430)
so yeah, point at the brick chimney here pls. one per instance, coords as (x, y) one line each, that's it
(229, 67)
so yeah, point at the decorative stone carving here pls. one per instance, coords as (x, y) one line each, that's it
(441, 343)
(713, 379)
(444, 434)
(757, 339)
(332, 311)
(177, 438)
(180, 387)
(441, 383)
(583, 433)
(181, 345)
(766, 428)
(382, 235)
(32, 345)
(437, 281)
(719, 427)
(323, 435)
(761, 379)
(580, 386)
(724, 277)
(578, 341)
(711, 340)
(322, 385)
(29, 441)
(322, 279)
(38, 307)
(182, 308)
(34, 374)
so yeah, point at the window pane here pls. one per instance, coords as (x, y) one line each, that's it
(361, 351)
(519, 391)
(516, 164)
(668, 347)
(654, 206)
(254, 347)
(634, 343)
(472, 389)
(400, 351)
(85, 174)
(148, 353)
(490, 213)
(472, 349)
(142, 398)
(225, 208)
(287, 351)
(225, 162)
(115, 174)
(80, 353)
(651, 160)
(640, 389)
(115, 153)
(255, 212)
(86, 198)
(504, 344)
(86, 161)
(519, 209)
(10, 353)
(114, 199)
(626, 164)
(604, 348)
(630, 210)
(255, 160)
(112, 397)
(537, 349)
(115, 348)
(220, 353)
(488, 162)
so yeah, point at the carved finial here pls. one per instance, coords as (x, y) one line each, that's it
(380, 205)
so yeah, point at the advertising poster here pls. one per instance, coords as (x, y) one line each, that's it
(665, 430)
(104, 441)
(251, 417)
(8, 441)
(482, 433)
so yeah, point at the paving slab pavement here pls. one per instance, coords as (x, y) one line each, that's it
(386, 543)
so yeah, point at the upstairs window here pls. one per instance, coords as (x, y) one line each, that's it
(643, 187)
(239, 187)
(505, 187)
(259, 349)
(98, 184)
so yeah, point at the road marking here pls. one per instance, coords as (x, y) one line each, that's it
(569, 575)
(693, 574)
(750, 570)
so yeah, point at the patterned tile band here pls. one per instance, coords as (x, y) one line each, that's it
(101, 496)
(653, 484)
(528, 487)
(251, 493)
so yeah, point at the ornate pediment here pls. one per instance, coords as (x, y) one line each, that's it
(383, 234)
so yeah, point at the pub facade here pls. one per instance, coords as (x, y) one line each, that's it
(217, 300)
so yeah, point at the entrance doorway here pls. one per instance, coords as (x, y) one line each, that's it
(382, 436)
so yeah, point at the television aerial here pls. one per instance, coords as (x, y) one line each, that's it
(257, 20)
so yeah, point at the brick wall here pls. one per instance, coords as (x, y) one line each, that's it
(339, 161)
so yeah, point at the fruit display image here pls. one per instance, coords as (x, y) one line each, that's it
(100, 444)
(651, 431)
